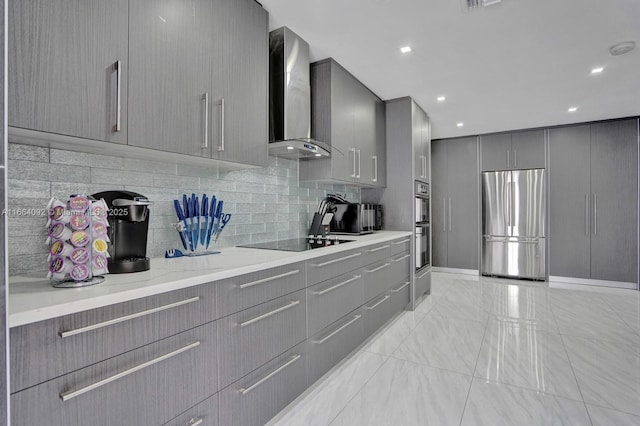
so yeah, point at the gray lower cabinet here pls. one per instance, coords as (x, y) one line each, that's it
(333, 299)
(399, 265)
(400, 295)
(511, 151)
(330, 266)
(261, 394)
(423, 283)
(148, 385)
(377, 312)
(454, 199)
(399, 246)
(256, 335)
(376, 278)
(203, 414)
(61, 67)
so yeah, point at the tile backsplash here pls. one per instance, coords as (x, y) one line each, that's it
(267, 203)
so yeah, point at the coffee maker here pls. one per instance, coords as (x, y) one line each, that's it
(128, 229)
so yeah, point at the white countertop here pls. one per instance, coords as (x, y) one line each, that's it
(32, 298)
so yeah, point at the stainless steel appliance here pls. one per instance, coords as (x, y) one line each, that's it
(298, 244)
(513, 223)
(423, 227)
(355, 218)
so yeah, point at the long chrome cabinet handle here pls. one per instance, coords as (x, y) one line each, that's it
(508, 159)
(221, 147)
(351, 256)
(338, 330)
(444, 214)
(69, 333)
(359, 168)
(386, 246)
(265, 280)
(353, 175)
(384, 299)
(595, 214)
(378, 268)
(268, 314)
(400, 258)
(66, 396)
(118, 69)
(375, 168)
(397, 290)
(586, 214)
(293, 359)
(333, 287)
(449, 214)
(197, 421)
(397, 243)
(515, 158)
(205, 132)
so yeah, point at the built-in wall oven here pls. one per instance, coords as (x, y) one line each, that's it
(423, 229)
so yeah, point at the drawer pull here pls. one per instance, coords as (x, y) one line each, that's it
(264, 280)
(268, 314)
(401, 242)
(196, 421)
(293, 359)
(351, 256)
(378, 249)
(378, 304)
(327, 290)
(66, 396)
(338, 330)
(378, 268)
(424, 275)
(402, 258)
(70, 333)
(397, 290)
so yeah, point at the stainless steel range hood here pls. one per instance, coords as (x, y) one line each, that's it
(290, 99)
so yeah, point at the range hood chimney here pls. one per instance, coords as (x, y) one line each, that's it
(290, 98)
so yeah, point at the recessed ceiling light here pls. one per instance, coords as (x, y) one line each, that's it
(318, 155)
(441, 98)
(573, 109)
(405, 49)
(597, 70)
(461, 124)
(289, 147)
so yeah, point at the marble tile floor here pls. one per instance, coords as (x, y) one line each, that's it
(486, 351)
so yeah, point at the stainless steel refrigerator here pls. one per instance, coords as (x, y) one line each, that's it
(513, 223)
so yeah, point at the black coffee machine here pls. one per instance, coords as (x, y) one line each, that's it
(128, 229)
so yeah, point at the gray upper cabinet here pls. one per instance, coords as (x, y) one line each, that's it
(62, 75)
(421, 144)
(347, 116)
(510, 151)
(455, 203)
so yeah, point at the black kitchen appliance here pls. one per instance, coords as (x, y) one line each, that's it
(128, 229)
(356, 218)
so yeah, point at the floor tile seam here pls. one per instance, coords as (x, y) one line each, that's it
(512, 325)
(575, 377)
(500, 382)
(595, 404)
(614, 341)
(419, 364)
(630, 326)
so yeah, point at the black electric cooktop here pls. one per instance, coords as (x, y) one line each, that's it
(297, 244)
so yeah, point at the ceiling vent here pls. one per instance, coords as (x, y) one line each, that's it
(474, 4)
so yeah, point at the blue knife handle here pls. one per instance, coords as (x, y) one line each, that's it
(196, 221)
(205, 223)
(180, 215)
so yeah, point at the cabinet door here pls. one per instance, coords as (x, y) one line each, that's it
(527, 150)
(614, 189)
(418, 121)
(171, 50)
(343, 154)
(364, 114)
(439, 203)
(569, 230)
(463, 214)
(240, 128)
(496, 152)
(61, 67)
(426, 141)
(380, 160)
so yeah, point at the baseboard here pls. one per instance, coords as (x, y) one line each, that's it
(557, 282)
(455, 270)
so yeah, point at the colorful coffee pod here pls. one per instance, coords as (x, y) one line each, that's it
(80, 238)
(99, 265)
(58, 212)
(60, 266)
(99, 230)
(79, 255)
(58, 231)
(60, 248)
(79, 222)
(99, 211)
(100, 246)
(80, 273)
(79, 203)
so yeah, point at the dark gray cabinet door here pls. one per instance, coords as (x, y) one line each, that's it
(240, 129)
(496, 152)
(439, 203)
(380, 161)
(343, 162)
(426, 140)
(569, 193)
(61, 67)
(462, 204)
(419, 122)
(614, 191)
(364, 114)
(527, 150)
(171, 45)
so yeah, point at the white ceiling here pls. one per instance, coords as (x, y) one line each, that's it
(514, 65)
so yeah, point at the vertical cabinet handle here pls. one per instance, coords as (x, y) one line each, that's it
(508, 159)
(595, 214)
(586, 214)
(515, 158)
(424, 167)
(375, 168)
(221, 147)
(353, 175)
(117, 66)
(449, 214)
(444, 214)
(358, 176)
(205, 132)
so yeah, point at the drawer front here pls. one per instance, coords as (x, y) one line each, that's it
(377, 312)
(260, 395)
(423, 283)
(330, 300)
(203, 414)
(377, 252)
(400, 267)
(400, 245)
(146, 386)
(400, 295)
(239, 293)
(327, 267)
(254, 336)
(332, 344)
(52, 348)
(376, 278)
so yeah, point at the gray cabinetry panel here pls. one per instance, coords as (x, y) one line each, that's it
(376, 252)
(206, 412)
(260, 395)
(330, 300)
(326, 267)
(343, 166)
(400, 267)
(61, 76)
(380, 161)
(496, 152)
(528, 150)
(238, 293)
(377, 312)
(439, 197)
(252, 337)
(376, 278)
(364, 113)
(423, 283)
(614, 189)
(399, 246)
(39, 353)
(168, 377)
(569, 202)
(400, 295)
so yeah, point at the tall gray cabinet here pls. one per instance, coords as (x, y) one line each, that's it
(4, 385)
(511, 151)
(454, 201)
(593, 190)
